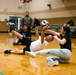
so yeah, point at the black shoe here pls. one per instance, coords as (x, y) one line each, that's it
(7, 51)
(15, 43)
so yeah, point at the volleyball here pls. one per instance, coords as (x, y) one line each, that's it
(44, 23)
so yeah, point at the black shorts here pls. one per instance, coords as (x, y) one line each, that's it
(24, 41)
(26, 49)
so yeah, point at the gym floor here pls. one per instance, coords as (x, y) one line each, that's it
(14, 64)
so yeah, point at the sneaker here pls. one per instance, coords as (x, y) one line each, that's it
(7, 51)
(15, 43)
(54, 63)
(32, 54)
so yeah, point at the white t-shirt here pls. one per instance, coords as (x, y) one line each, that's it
(37, 45)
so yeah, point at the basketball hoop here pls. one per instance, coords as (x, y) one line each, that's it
(22, 1)
(25, 1)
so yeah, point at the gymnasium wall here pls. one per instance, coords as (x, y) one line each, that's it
(60, 11)
(4, 27)
(60, 20)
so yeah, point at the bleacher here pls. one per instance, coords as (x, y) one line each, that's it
(73, 31)
(57, 28)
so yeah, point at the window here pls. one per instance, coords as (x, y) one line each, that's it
(14, 20)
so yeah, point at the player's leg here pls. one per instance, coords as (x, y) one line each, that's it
(17, 34)
(62, 53)
(13, 51)
(52, 60)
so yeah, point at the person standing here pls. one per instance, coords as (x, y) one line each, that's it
(36, 23)
(71, 23)
(26, 20)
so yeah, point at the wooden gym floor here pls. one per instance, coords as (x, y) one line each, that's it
(13, 64)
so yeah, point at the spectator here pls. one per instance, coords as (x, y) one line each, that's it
(71, 23)
(26, 20)
(36, 23)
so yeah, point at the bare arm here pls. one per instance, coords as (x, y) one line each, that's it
(61, 41)
(43, 33)
(42, 36)
(37, 33)
(53, 32)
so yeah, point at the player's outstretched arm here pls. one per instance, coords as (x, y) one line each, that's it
(43, 33)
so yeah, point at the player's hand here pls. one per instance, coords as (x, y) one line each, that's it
(45, 28)
(55, 36)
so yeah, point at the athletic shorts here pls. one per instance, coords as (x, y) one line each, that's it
(26, 42)
(26, 49)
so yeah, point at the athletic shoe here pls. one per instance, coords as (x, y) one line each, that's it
(54, 63)
(32, 54)
(7, 51)
(15, 43)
